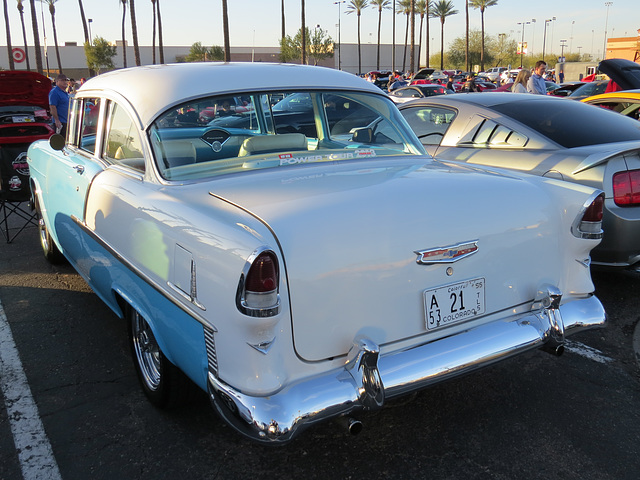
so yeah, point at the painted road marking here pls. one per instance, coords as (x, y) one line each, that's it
(32, 445)
(586, 351)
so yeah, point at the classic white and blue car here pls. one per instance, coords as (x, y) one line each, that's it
(276, 235)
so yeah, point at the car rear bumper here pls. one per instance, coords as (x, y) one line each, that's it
(367, 378)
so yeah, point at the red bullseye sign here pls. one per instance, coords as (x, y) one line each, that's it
(18, 55)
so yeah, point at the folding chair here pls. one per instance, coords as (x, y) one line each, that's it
(16, 213)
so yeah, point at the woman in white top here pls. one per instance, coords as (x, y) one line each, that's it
(520, 83)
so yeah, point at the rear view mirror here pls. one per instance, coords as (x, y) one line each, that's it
(56, 141)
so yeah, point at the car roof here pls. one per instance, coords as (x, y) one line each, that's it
(153, 88)
(484, 99)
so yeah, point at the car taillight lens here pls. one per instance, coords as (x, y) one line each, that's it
(258, 289)
(626, 188)
(590, 224)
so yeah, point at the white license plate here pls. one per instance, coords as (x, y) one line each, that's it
(22, 119)
(454, 303)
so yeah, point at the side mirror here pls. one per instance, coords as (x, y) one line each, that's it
(56, 141)
(363, 135)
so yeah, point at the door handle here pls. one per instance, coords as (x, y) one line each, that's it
(79, 169)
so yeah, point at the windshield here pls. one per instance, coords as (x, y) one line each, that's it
(224, 134)
(572, 124)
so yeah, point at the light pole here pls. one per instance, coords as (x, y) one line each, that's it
(571, 37)
(522, 42)
(606, 24)
(339, 31)
(533, 39)
(579, 54)
(563, 43)
(544, 39)
(90, 20)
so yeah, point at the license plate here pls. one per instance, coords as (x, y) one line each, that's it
(22, 119)
(454, 303)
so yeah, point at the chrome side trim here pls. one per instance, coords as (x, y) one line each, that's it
(280, 416)
(212, 356)
(145, 278)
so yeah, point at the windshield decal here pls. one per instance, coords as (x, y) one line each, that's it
(294, 159)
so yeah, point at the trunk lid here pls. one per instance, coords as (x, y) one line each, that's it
(349, 237)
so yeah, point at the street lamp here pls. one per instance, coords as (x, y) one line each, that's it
(533, 38)
(544, 39)
(606, 24)
(339, 31)
(90, 20)
(522, 43)
(563, 43)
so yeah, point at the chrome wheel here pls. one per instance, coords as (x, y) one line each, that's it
(147, 352)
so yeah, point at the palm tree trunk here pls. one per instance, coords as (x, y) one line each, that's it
(134, 32)
(153, 33)
(160, 41)
(225, 31)
(283, 31)
(412, 51)
(124, 38)
(427, 35)
(406, 40)
(379, 28)
(442, 44)
(8, 30)
(466, 52)
(303, 31)
(52, 11)
(482, 49)
(36, 35)
(24, 35)
(420, 41)
(86, 31)
(359, 53)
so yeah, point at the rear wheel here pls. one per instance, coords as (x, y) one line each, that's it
(49, 248)
(162, 382)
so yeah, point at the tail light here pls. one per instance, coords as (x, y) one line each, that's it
(589, 223)
(626, 188)
(257, 294)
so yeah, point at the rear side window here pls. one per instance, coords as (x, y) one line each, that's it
(429, 123)
(570, 123)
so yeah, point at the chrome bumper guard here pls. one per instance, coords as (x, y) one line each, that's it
(368, 377)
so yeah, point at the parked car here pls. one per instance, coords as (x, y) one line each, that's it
(493, 74)
(626, 102)
(565, 89)
(589, 89)
(297, 277)
(405, 94)
(565, 140)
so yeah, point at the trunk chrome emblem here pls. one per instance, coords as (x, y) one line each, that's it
(449, 254)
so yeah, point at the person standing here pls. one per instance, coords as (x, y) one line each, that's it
(520, 83)
(450, 84)
(59, 104)
(536, 83)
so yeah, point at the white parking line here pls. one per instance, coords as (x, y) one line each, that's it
(586, 351)
(32, 445)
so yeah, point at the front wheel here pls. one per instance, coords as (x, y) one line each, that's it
(162, 382)
(49, 248)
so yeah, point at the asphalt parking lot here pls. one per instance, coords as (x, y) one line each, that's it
(533, 416)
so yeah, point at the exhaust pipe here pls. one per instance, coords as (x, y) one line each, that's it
(553, 349)
(353, 426)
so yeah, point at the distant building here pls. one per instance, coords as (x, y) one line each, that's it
(624, 47)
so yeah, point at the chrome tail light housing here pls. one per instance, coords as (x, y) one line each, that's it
(257, 294)
(588, 223)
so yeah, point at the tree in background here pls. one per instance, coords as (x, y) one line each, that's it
(134, 32)
(199, 53)
(100, 54)
(225, 31)
(482, 5)
(319, 46)
(124, 38)
(357, 6)
(36, 35)
(8, 30)
(52, 12)
(442, 10)
(380, 5)
(24, 33)
(160, 39)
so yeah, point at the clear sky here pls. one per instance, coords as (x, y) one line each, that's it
(257, 22)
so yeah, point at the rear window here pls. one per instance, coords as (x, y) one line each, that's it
(570, 123)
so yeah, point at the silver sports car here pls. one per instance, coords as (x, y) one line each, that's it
(545, 136)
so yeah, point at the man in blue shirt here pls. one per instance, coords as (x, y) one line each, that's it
(536, 83)
(59, 104)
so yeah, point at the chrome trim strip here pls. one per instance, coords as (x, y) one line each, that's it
(280, 416)
(156, 286)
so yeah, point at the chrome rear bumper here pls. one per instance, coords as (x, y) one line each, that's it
(368, 378)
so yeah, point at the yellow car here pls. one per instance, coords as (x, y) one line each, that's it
(626, 102)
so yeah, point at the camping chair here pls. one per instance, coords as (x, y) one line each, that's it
(15, 194)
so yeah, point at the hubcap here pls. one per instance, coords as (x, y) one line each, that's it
(147, 352)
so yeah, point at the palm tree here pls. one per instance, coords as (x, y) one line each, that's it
(466, 49)
(283, 31)
(356, 6)
(24, 33)
(380, 5)
(52, 12)
(160, 40)
(86, 31)
(153, 33)
(428, 13)
(36, 35)
(421, 9)
(124, 38)
(303, 33)
(443, 9)
(9, 46)
(404, 8)
(412, 54)
(134, 32)
(482, 5)
(225, 31)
